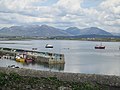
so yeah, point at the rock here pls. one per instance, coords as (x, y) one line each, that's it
(64, 88)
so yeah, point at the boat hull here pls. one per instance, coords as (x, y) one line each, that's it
(100, 47)
(29, 60)
(20, 60)
(49, 46)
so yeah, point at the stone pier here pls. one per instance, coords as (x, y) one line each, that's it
(44, 57)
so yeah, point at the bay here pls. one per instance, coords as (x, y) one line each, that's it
(80, 56)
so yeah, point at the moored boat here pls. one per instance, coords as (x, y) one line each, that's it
(99, 46)
(34, 48)
(48, 46)
(29, 60)
(20, 59)
(12, 66)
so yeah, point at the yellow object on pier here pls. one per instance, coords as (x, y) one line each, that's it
(20, 59)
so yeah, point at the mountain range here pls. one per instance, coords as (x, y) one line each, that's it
(48, 31)
(33, 30)
(87, 31)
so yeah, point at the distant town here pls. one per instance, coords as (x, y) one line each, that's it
(82, 38)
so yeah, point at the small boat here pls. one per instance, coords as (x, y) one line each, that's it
(99, 46)
(29, 60)
(20, 59)
(12, 66)
(48, 46)
(34, 48)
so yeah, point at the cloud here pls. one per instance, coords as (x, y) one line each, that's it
(17, 6)
(17, 19)
(110, 17)
(62, 13)
(69, 5)
(22, 11)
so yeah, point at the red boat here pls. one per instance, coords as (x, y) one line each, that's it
(29, 60)
(99, 47)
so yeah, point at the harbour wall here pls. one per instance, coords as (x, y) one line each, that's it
(113, 81)
(44, 57)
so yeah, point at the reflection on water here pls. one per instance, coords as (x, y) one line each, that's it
(80, 56)
(33, 65)
(59, 67)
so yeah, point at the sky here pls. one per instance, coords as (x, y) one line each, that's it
(104, 14)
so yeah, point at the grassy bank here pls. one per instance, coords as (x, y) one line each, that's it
(14, 81)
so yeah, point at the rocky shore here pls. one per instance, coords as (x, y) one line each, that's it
(24, 79)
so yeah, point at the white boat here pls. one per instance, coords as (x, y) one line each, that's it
(48, 46)
(12, 66)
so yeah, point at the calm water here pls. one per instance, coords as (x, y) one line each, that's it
(80, 56)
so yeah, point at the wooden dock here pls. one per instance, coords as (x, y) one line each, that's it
(44, 57)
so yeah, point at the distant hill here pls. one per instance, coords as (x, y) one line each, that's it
(116, 34)
(33, 30)
(48, 31)
(73, 30)
(87, 31)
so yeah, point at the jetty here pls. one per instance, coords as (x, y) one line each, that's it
(43, 57)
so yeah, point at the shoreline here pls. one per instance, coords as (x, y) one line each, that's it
(79, 39)
(107, 80)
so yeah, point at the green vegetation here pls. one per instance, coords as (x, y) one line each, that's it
(14, 81)
(106, 39)
(90, 39)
